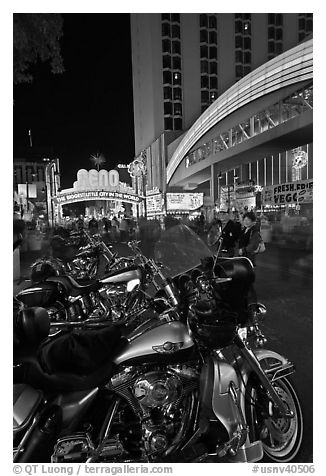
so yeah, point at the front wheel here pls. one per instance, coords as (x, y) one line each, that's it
(281, 437)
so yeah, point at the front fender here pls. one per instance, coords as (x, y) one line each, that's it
(245, 370)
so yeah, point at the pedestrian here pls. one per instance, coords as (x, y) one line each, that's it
(93, 226)
(80, 223)
(114, 229)
(250, 237)
(231, 232)
(123, 228)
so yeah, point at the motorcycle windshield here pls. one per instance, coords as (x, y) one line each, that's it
(180, 249)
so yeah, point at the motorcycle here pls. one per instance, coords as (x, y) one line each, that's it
(78, 254)
(191, 383)
(71, 302)
(121, 294)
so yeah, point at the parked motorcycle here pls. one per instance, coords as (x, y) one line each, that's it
(192, 383)
(77, 254)
(121, 294)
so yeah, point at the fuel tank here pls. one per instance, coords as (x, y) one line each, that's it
(122, 275)
(157, 342)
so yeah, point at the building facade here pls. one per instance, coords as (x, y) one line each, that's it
(183, 62)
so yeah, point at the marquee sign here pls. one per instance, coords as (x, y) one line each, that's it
(97, 185)
(154, 204)
(72, 197)
(184, 201)
(290, 192)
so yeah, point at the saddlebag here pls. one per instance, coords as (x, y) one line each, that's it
(25, 403)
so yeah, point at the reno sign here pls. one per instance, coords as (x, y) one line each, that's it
(97, 180)
(97, 185)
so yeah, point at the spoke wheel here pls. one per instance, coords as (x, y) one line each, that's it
(281, 437)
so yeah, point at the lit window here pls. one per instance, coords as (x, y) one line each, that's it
(177, 109)
(177, 94)
(176, 78)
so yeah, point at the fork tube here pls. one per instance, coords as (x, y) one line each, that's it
(254, 363)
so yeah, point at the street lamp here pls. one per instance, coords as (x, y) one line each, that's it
(235, 178)
(219, 177)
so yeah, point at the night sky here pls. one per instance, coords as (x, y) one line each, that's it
(89, 108)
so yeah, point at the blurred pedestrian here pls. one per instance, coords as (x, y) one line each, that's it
(123, 228)
(93, 226)
(250, 237)
(80, 224)
(231, 232)
(115, 229)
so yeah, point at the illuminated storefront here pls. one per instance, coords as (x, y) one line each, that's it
(257, 134)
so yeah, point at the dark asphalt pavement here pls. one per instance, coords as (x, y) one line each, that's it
(284, 284)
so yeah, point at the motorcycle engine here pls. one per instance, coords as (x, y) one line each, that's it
(157, 389)
(155, 409)
(159, 394)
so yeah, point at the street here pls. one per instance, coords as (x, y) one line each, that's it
(289, 325)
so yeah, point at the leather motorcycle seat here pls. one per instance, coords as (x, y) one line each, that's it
(73, 288)
(73, 362)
